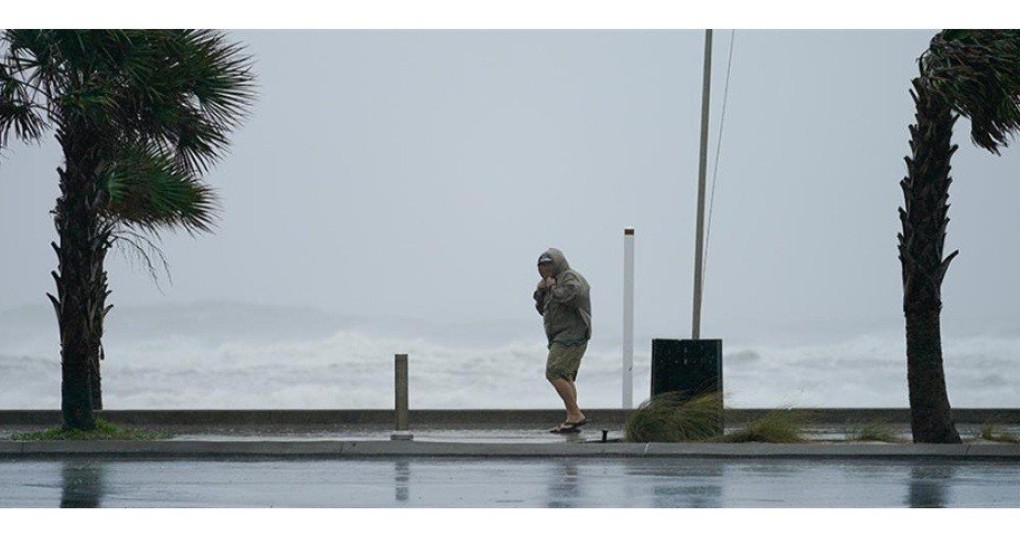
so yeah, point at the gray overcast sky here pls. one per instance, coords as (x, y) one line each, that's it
(420, 173)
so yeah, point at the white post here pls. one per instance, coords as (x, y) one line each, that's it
(628, 318)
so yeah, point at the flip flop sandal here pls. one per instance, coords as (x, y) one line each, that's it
(578, 423)
(572, 426)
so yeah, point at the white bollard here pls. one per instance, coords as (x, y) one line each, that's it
(628, 318)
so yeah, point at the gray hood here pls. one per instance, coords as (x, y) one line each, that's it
(559, 261)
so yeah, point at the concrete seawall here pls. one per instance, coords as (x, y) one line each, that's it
(466, 418)
(327, 449)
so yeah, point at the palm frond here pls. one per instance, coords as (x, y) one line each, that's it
(185, 91)
(143, 248)
(977, 72)
(149, 191)
(33, 54)
(222, 80)
(18, 114)
(158, 104)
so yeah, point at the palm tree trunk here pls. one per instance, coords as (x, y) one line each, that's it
(80, 274)
(931, 418)
(924, 220)
(96, 353)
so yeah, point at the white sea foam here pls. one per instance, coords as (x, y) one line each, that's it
(190, 366)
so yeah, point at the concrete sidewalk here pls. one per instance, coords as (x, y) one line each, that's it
(300, 434)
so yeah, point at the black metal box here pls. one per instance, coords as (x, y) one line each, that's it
(690, 367)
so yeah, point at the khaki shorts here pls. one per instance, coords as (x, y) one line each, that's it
(564, 361)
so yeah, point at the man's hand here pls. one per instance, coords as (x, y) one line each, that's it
(549, 282)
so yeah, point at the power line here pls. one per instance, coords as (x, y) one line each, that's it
(718, 148)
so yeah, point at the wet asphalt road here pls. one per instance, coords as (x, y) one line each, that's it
(504, 483)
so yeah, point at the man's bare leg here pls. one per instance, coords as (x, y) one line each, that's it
(573, 395)
(568, 392)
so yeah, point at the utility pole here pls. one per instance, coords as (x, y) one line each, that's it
(702, 162)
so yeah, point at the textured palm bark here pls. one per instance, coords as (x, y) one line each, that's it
(931, 419)
(96, 353)
(924, 220)
(80, 274)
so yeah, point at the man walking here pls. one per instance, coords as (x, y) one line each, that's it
(562, 299)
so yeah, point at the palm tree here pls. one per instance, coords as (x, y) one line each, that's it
(976, 74)
(139, 115)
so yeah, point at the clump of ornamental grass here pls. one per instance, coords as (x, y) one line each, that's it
(990, 433)
(671, 417)
(104, 431)
(872, 432)
(776, 426)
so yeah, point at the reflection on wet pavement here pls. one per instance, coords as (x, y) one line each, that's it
(564, 485)
(496, 482)
(402, 475)
(929, 486)
(82, 484)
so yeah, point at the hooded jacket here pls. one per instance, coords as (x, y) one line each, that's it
(566, 307)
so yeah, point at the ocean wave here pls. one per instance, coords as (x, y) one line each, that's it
(351, 370)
